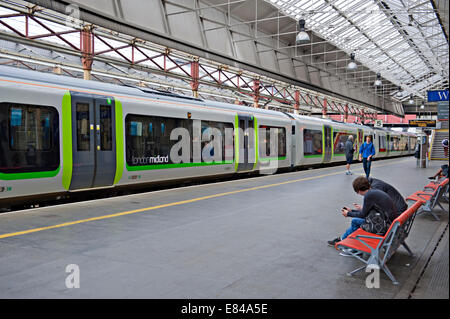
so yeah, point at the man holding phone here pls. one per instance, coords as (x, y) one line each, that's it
(372, 197)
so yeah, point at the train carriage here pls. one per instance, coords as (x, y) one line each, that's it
(61, 136)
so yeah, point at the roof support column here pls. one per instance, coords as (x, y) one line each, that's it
(324, 109)
(87, 51)
(256, 90)
(195, 78)
(346, 113)
(297, 101)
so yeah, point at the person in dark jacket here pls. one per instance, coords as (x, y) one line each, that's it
(372, 197)
(394, 194)
(366, 152)
(349, 150)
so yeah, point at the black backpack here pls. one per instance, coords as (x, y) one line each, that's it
(377, 222)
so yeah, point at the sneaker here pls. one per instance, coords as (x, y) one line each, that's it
(350, 173)
(432, 177)
(334, 241)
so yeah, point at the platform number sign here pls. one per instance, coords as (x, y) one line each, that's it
(378, 123)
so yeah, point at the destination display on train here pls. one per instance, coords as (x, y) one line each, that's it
(422, 123)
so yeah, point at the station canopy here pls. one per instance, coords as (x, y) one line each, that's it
(403, 40)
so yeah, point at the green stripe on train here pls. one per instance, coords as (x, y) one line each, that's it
(30, 175)
(119, 141)
(255, 123)
(166, 166)
(67, 140)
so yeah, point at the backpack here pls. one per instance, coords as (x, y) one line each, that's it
(376, 222)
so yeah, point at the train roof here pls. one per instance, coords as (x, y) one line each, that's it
(114, 89)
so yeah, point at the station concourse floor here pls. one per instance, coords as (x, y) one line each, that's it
(260, 237)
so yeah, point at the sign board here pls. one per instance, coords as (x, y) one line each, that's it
(442, 111)
(439, 95)
(378, 123)
(422, 123)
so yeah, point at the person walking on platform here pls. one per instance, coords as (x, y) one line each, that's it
(374, 195)
(366, 152)
(349, 150)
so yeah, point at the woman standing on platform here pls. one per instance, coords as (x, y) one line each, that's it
(366, 152)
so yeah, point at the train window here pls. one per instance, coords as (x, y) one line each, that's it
(105, 128)
(382, 143)
(312, 142)
(83, 127)
(272, 147)
(224, 133)
(340, 138)
(394, 143)
(30, 142)
(148, 138)
(412, 143)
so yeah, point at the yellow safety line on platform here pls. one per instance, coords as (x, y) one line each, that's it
(34, 230)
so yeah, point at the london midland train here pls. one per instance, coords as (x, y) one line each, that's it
(61, 136)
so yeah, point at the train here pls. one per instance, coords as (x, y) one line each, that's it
(61, 136)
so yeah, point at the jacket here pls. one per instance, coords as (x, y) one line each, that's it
(367, 149)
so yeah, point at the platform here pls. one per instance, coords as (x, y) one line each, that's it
(261, 237)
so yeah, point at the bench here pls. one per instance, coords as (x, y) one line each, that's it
(376, 250)
(431, 198)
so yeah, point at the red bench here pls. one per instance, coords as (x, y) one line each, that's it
(376, 250)
(431, 198)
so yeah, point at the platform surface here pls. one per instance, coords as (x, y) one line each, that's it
(261, 237)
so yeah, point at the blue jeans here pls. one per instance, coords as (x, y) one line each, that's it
(356, 223)
(366, 164)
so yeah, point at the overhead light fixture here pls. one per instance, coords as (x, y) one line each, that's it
(302, 37)
(399, 93)
(378, 80)
(411, 99)
(352, 65)
(422, 106)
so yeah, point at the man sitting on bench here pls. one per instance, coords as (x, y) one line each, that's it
(372, 197)
(443, 172)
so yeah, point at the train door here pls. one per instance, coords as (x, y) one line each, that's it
(328, 144)
(293, 149)
(93, 146)
(246, 145)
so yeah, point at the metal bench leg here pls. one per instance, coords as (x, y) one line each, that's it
(355, 271)
(442, 207)
(434, 215)
(389, 274)
(408, 250)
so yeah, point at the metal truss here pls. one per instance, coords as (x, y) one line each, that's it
(41, 39)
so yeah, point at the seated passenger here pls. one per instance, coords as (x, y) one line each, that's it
(372, 198)
(442, 172)
(394, 194)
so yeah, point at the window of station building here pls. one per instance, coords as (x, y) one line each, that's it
(312, 142)
(340, 138)
(267, 144)
(30, 138)
(148, 138)
(225, 134)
